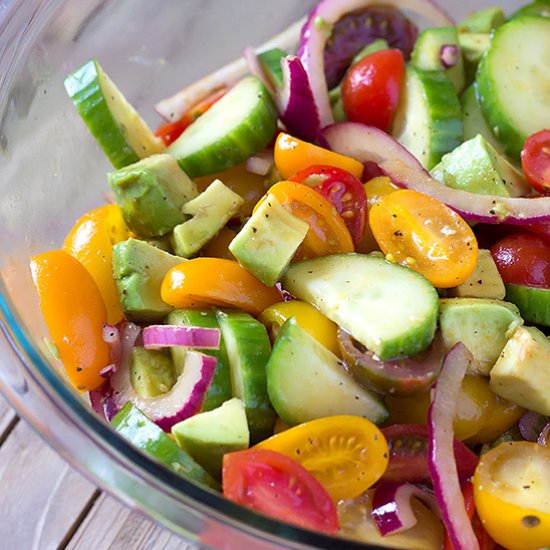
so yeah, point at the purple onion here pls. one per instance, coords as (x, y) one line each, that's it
(165, 336)
(449, 54)
(530, 425)
(543, 436)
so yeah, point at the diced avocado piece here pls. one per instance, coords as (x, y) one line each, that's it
(134, 426)
(210, 211)
(522, 372)
(139, 269)
(482, 325)
(151, 194)
(484, 20)
(162, 242)
(484, 282)
(476, 167)
(220, 387)
(533, 303)
(209, 435)
(269, 240)
(473, 45)
(428, 53)
(151, 371)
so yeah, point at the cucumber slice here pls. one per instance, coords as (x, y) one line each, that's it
(540, 8)
(483, 20)
(219, 390)
(248, 349)
(513, 81)
(306, 381)
(390, 309)
(134, 426)
(428, 120)
(533, 303)
(240, 124)
(473, 119)
(122, 134)
(271, 63)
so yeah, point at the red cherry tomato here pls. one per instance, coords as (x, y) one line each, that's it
(371, 87)
(523, 259)
(276, 485)
(343, 190)
(535, 160)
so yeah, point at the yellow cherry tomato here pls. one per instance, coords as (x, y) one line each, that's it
(293, 155)
(91, 242)
(203, 282)
(347, 454)
(74, 313)
(327, 233)
(218, 247)
(512, 494)
(308, 317)
(426, 235)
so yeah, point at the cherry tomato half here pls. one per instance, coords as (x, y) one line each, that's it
(347, 454)
(343, 190)
(523, 259)
(74, 313)
(275, 485)
(535, 160)
(426, 235)
(371, 88)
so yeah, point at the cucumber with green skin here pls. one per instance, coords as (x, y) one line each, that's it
(134, 426)
(513, 81)
(540, 8)
(428, 120)
(219, 390)
(533, 303)
(120, 131)
(306, 381)
(248, 349)
(390, 309)
(240, 124)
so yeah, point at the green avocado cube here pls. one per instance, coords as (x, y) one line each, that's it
(484, 20)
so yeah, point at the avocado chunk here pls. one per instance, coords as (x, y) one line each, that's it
(484, 282)
(522, 372)
(482, 325)
(134, 426)
(269, 240)
(533, 303)
(210, 211)
(151, 194)
(475, 166)
(209, 435)
(139, 269)
(151, 372)
(484, 20)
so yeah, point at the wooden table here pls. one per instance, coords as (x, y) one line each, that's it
(45, 504)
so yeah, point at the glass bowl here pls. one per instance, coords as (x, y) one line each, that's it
(53, 172)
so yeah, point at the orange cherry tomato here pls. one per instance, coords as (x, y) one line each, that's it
(91, 242)
(74, 313)
(217, 282)
(218, 247)
(293, 155)
(327, 233)
(426, 235)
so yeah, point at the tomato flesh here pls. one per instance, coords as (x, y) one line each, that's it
(343, 190)
(523, 259)
(371, 88)
(275, 485)
(535, 161)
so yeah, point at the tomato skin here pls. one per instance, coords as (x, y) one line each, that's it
(523, 259)
(535, 161)
(371, 88)
(74, 313)
(274, 484)
(343, 190)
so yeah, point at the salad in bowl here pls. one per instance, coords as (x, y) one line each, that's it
(321, 286)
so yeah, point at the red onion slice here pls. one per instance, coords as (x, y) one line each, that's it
(317, 30)
(260, 164)
(530, 425)
(165, 336)
(471, 206)
(367, 144)
(111, 336)
(449, 54)
(544, 434)
(391, 506)
(255, 68)
(441, 460)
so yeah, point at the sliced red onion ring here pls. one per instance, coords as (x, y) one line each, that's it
(165, 336)
(530, 425)
(471, 206)
(317, 30)
(111, 335)
(543, 437)
(449, 55)
(255, 68)
(174, 107)
(260, 164)
(367, 144)
(441, 459)
(391, 506)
